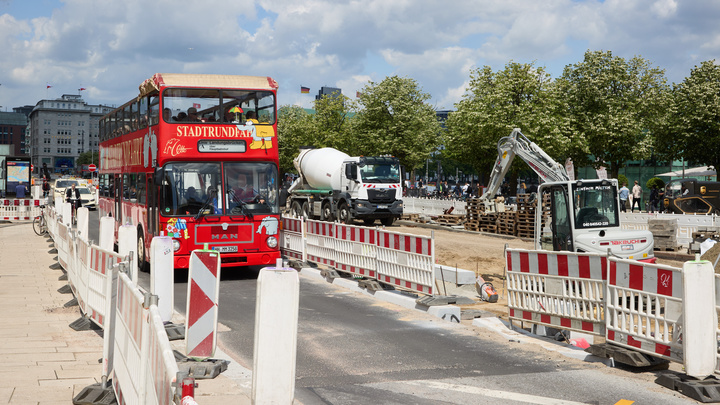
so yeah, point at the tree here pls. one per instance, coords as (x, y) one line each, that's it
(295, 129)
(613, 104)
(394, 118)
(494, 104)
(86, 158)
(693, 121)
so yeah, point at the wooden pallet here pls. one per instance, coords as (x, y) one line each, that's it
(451, 219)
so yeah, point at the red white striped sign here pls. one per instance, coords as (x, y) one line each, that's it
(202, 304)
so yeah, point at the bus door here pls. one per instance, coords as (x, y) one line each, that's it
(152, 207)
(118, 198)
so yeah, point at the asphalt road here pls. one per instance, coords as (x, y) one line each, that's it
(353, 349)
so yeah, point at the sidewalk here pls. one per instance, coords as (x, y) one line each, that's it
(44, 360)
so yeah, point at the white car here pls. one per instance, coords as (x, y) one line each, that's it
(87, 198)
(61, 185)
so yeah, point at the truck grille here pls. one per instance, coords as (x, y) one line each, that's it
(381, 195)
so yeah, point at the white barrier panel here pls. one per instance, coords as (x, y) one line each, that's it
(700, 319)
(160, 362)
(558, 289)
(643, 307)
(19, 209)
(127, 239)
(320, 242)
(356, 250)
(276, 319)
(127, 352)
(61, 244)
(66, 210)
(292, 238)
(99, 282)
(162, 275)
(429, 206)
(406, 261)
(82, 223)
(107, 233)
(686, 224)
(202, 304)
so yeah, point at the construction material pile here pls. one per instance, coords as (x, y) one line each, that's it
(519, 221)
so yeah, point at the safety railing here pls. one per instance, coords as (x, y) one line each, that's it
(20, 209)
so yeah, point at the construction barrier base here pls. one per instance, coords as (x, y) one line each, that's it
(706, 391)
(66, 289)
(370, 285)
(56, 265)
(72, 303)
(200, 369)
(63, 277)
(627, 356)
(437, 300)
(83, 323)
(175, 332)
(329, 274)
(95, 395)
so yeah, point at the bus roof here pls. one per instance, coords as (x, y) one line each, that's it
(204, 80)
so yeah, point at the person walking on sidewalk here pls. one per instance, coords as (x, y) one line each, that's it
(637, 197)
(624, 193)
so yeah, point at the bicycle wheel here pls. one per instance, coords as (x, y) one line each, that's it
(39, 225)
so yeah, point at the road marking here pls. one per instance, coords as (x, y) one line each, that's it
(624, 402)
(531, 399)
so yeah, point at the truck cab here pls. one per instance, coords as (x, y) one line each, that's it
(373, 189)
(583, 216)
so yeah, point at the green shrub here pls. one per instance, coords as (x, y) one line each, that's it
(622, 180)
(655, 181)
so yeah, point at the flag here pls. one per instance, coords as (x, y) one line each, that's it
(304, 90)
(48, 86)
(196, 105)
(81, 89)
(358, 94)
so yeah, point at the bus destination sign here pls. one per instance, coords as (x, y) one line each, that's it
(222, 146)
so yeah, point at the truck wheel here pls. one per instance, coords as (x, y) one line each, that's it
(387, 221)
(326, 213)
(306, 210)
(344, 214)
(295, 209)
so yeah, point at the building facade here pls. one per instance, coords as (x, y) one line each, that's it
(61, 129)
(12, 132)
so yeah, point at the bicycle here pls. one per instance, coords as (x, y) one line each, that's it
(39, 224)
(74, 204)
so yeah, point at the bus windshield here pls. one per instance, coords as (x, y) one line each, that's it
(218, 106)
(595, 205)
(194, 188)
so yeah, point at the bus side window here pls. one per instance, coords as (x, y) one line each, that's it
(141, 188)
(154, 109)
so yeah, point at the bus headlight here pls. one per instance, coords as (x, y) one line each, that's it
(176, 245)
(272, 242)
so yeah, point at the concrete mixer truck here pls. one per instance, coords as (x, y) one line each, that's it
(333, 185)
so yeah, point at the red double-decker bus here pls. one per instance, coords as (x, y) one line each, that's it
(195, 157)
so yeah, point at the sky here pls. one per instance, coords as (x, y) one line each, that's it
(110, 47)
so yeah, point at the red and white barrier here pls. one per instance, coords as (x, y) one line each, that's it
(406, 261)
(644, 304)
(292, 238)
(558, 289)
(356, 250)
(320, 242)
(202, 304)
(20, 209)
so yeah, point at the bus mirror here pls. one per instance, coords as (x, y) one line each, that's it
(158, 176)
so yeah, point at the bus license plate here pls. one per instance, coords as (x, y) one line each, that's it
(226, 249)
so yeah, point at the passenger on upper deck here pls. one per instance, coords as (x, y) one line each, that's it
(192, 115)
(251, 117)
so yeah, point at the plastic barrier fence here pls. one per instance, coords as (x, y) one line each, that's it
(320, 242)
(429, 206)
(19, 209)
(61, 243)
(292, 238)
(406, 261)
(356, 250)
(644, 304)
(563, 290)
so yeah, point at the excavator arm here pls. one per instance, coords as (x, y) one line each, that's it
(517, 144)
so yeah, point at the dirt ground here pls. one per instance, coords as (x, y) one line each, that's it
(481, 253)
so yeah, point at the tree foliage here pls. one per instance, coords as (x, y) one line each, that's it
(494, 104)
(613, 104)
(693, 120)
(395, 118)
(295, 129)
(86, 158)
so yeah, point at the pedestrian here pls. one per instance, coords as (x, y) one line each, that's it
(20, 190)
(45, 188)
(624, 194)
(637, 197)
(653, 198)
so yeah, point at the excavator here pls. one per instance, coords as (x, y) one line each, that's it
(572, 215)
